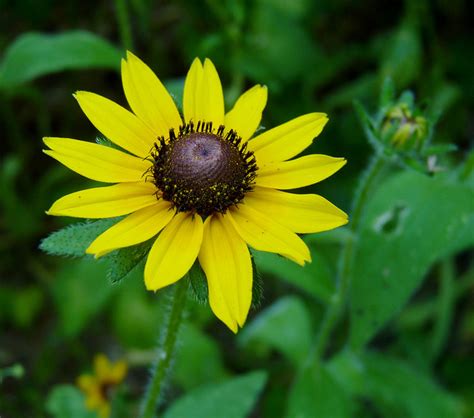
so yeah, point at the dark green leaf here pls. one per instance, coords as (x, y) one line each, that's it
(79, 291)
(270, 52)
(198, 359)
(396, 389)
(411, 221)
(402, 58)
(74, 239)
(316, 394)
(231, 399)
(314, 278)
(136, 313)
(285, 326)
(361, 88)
(35, 54)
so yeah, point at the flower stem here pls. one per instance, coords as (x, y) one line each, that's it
(338, 300)
(165, 349)
(123, 21)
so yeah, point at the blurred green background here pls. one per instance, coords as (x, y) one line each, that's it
(56, 313)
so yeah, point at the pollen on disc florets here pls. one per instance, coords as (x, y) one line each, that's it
(201, 169)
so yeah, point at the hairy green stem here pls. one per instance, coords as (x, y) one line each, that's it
(123, 21)
(337, 302)
(165, 349)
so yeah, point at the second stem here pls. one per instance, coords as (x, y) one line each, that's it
(336, 307)
(165, 349)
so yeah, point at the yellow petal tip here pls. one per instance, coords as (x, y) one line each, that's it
(80, 93)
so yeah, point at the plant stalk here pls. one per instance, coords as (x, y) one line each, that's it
(123, 21)
(165, 350)
(337, 303)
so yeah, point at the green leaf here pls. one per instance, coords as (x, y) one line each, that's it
(316, 394)
(410, 222)
(314, 278)
(362, 88)
(198, 359)
(393, 386)
(285, 326)
(67, 401)
(124, 260)
(175, 88)
(136, 313)
(16, 371)
(269, 53)
(74, 239)
(402, 58)
(231, 399)
(79, 291)
(34, 54)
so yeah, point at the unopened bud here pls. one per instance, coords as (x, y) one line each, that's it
(402, 129)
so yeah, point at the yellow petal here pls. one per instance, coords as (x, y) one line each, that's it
(118, 371)
(203, 99)
(116, 123)
(101, 367)
(147, 96)
(302, 213)
(95, 400)
(246, 114)
(225, 259)
(298, 173)
(263, 233)
(105, 410)
(287, 140)
(174, 251)
(96, 162)
(105, 202)
(87, 383)
(134, 229)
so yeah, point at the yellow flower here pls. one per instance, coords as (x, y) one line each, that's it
(97, 387)
(200, 183)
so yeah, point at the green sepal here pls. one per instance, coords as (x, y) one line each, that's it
(257, 286)
(74, 239)
(197, 279)
(368, 125)
(439, 149)
(199, 289)
(124, 260)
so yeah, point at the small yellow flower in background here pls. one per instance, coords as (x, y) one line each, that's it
(97, 387)
(200, 183)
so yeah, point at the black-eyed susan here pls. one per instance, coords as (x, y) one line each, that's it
(198, 182)
(97, 387)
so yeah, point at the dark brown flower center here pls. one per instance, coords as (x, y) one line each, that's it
(203, 170)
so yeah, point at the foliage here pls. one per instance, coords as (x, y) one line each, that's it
(397, 84)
